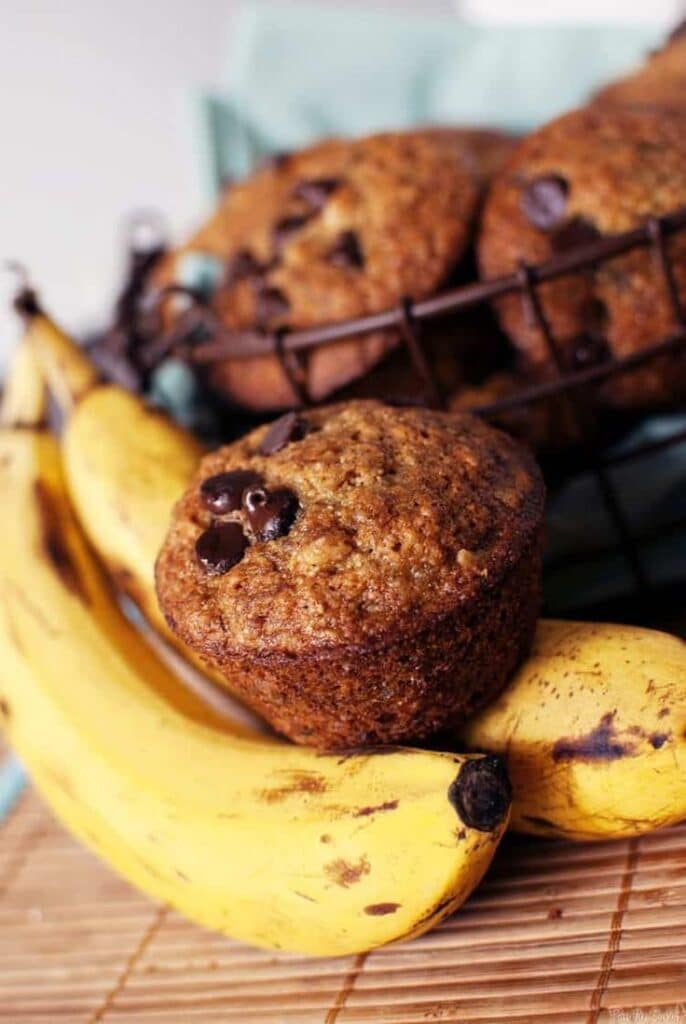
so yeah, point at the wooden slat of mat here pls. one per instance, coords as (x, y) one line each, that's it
(558, 935)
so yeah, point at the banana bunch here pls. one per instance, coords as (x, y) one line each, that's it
(280, 846)
(592, 727)
(593, 732)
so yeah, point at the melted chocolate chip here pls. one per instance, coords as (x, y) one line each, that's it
(221, 547)
(290, 427)
(270, 304)
(286, 228)
(346, 252)
(315, 191)
(242, 266)
(544, 201)
(270, 513)
(577, 231)
(481, 794)
(588, 350)
(223, 492)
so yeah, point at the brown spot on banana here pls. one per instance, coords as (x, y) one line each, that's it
(600, 744)
(5, 712)
(364, 812)
(52, 543)
(345, 873)
(381, 909)
(301, 782)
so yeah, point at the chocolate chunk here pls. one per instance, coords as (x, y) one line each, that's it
(481, 794)
(544, 201)
(290, 427)
(223, 492)
(577, 231)
(270, 513)
(270, 304)
(596, 315)
(588, 350)
(221, 547)
(286, 228)
(346, 252)
(315, 191)
(242, 266)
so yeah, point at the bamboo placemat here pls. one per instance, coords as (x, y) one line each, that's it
(558, 934)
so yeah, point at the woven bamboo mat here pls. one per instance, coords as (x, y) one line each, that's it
(558, 934)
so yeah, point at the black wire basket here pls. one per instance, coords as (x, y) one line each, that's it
(596, 537)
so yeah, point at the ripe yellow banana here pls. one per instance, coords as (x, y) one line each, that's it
(126, 464)
(593, 732)
(273, 844)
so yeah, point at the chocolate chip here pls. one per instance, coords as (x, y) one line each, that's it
(270, 304)
(284, 229)
(481, 794)
(544, 201)
(577, 231)
(346, 252)
(221, 547)
(241, 266)
(596, 315)
(290, 427)
(315, 191)
(223, 492)
(270, 513)
(588, 350)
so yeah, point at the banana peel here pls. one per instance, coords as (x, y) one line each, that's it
(593, 731)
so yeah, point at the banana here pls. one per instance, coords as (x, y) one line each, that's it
(126, 464)
(593, 732)
(280, 846)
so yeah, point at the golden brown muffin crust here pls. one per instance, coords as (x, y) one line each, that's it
(613, 168)
(403, 512)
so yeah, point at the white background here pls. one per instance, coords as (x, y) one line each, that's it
(94, 121)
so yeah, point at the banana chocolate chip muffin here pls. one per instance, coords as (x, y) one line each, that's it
(596, 171)
(359, 573)
(339, 230)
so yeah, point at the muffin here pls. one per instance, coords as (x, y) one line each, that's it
(546, 425)
(339, 230)
(659, 82)
(360, 574)
(593, 172)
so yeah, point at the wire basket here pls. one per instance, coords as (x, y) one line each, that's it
(199, 338)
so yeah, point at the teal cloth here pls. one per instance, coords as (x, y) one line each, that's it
(295, 72)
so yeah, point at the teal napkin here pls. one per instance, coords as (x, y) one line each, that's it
(295, 72)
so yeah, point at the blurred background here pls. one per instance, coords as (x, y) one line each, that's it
(110, 107)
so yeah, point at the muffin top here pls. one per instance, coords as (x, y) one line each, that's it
(659, 82)
(344, 525)
(606, 167)
(596, 171)
(344, 228)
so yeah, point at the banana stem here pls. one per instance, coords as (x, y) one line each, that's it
(69, 372)
(24, 400)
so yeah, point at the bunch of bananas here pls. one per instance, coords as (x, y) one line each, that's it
(186, 796)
